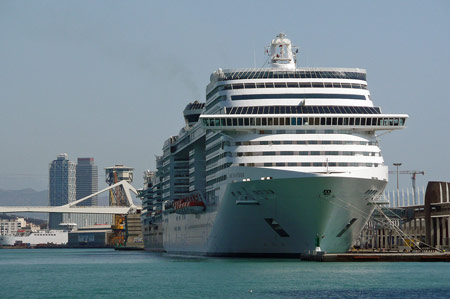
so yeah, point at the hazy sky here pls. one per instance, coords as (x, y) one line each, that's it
(109, 79)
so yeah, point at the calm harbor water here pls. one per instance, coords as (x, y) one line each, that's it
(105, 273)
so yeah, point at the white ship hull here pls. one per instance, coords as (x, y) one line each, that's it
(275, 217)
(35, 238)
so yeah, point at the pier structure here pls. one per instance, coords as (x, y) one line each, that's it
(404, 197)
(72, 207)
(126, 230)
(125, 211)
(426, 226)
(114, 175)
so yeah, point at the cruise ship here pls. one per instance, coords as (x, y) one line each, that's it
(277, 161)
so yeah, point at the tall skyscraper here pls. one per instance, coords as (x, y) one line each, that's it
(61, 186)
(87, 181)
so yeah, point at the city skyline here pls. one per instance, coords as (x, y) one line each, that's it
(111, 81)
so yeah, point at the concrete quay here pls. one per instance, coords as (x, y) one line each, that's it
(377, 257)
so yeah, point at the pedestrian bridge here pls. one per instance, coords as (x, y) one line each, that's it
(72, 207)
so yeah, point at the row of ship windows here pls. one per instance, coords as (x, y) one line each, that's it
(288, 142)
(272, 132)
(305, 121)
(306, 153)
(293, 153)
(54, 235)
(218, 168)
(304, 74)
(213, 103)
(218, 136)
(216, 180)
(296, 109)
(213, 149)
(285, 85)
(310, 164)
(296, 164)
(299, 96)
(302, 110)
(210, 140)
(269, 142)
(217, 158)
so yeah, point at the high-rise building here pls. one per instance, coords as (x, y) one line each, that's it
(87, 181)
(87, 184)
(61, 186)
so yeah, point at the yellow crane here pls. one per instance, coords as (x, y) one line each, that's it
(116, 198)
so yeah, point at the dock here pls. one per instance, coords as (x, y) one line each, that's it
(377, 257)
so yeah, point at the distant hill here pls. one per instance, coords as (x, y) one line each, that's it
(25, 197)
(32, 218)
(30, 197)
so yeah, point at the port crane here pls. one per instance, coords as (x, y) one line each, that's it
(413, 174)
(116, 198)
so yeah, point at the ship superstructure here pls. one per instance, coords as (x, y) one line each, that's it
(55, 237)
(277, 156)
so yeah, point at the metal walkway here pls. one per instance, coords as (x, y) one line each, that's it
(72, 208)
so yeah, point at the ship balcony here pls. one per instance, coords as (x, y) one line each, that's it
(357, 122)
(181, 163)
(181, 176)
(181, 168)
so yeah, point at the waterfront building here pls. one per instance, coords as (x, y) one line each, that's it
(62, 180)
(85, 220)
(12, 226)
(16, 225)
(87, 184)
(90, 236)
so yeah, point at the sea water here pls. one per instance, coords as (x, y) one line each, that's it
(106, 273)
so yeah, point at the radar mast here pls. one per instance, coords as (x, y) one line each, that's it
(281, 52)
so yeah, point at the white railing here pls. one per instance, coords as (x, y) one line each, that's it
(404, 197)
